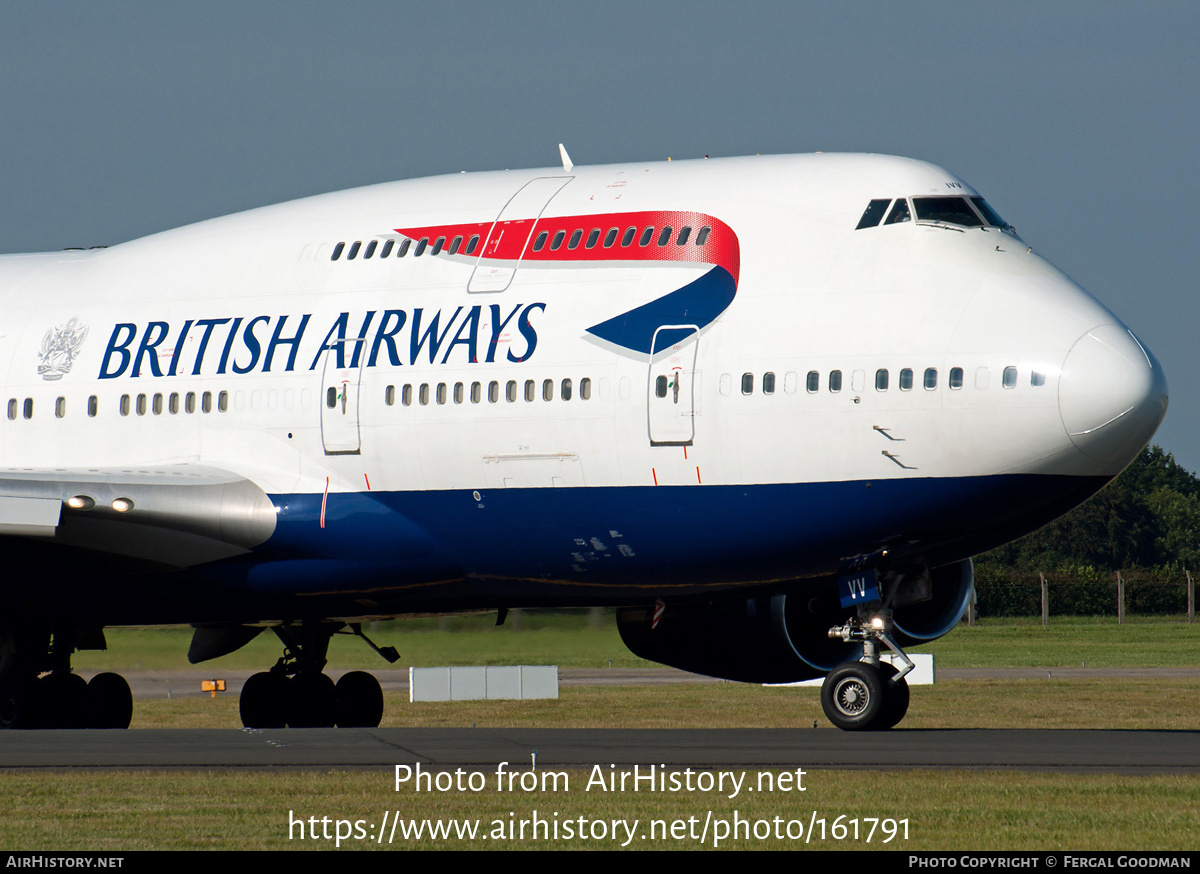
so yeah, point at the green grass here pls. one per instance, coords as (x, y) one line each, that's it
(236, 809)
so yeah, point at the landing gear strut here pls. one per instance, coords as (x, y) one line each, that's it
(867, 694)
(297, 693)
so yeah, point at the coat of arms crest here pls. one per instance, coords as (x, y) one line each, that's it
(59, 348)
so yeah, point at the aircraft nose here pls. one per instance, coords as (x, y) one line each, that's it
(1112, 394)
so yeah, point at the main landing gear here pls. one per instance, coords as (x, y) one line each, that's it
(296, 693)
(867, 694)
(39, 690)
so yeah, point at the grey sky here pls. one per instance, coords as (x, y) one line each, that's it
(1077, 122)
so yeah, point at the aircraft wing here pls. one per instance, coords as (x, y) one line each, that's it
(176, 515)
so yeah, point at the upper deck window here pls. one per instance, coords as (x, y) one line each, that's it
(947, 210)
(873, 214)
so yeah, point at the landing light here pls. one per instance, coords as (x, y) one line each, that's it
(122, 505)
(80, 502)
(877, 622)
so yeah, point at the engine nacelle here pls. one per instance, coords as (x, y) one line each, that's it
(783, 638)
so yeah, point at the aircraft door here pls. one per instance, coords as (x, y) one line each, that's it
(671, 401)
(340, 384)
(511, 233)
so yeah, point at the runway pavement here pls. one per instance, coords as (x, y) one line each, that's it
(447, 748)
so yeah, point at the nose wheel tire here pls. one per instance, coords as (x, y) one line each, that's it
(857, 696)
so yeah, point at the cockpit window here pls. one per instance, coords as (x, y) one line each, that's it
(873, 213)
(947, 210)
(899, 213)
(989, 214)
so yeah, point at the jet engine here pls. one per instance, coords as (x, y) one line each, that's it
(783, 637)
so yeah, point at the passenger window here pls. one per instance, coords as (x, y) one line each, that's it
(812, 382)
(576, 236)
(423, 394)
(405, 244)
(422, 245)
(28, 412)
(389, 395)
(441, 392)
(873, 213)
(371, 246)
(205, 402)
(585, 389)
(60, 407)
(493, 392)
(548, 390)
(12, 407)
(472, 244)
(354, 247)
(559, 236)
(510, 391)
(835, 380)
(610, 238)
(664, 236)
(387, 248)
(189, 402)
(881, 380)
(1010, 377)
(455, 245)
(173, 403)
(930, 378)
(337, 251)
(540, 242)
(1036, 378)
(476, 392)
(628, 238)
(899, 213)
(956, 377)
(406, 395)
(141, 406)
(747, 383)
(458, 393)
(157, 405)
(702, 237)
(682, 239)
(93, 406)
(768, 383)
(593, 238)
(906, 379)
(647, 236)
(566, 390)
(530, 390)
(223, 402)
(438, 246)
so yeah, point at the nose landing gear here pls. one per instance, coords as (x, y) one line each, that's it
(867, 695)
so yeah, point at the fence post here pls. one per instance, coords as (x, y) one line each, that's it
(1191, 598)
(1045, 600)
(1120, 599)
(971, 608)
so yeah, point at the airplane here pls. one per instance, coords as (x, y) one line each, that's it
(766, 408)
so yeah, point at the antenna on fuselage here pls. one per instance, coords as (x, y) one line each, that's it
(566, 159)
